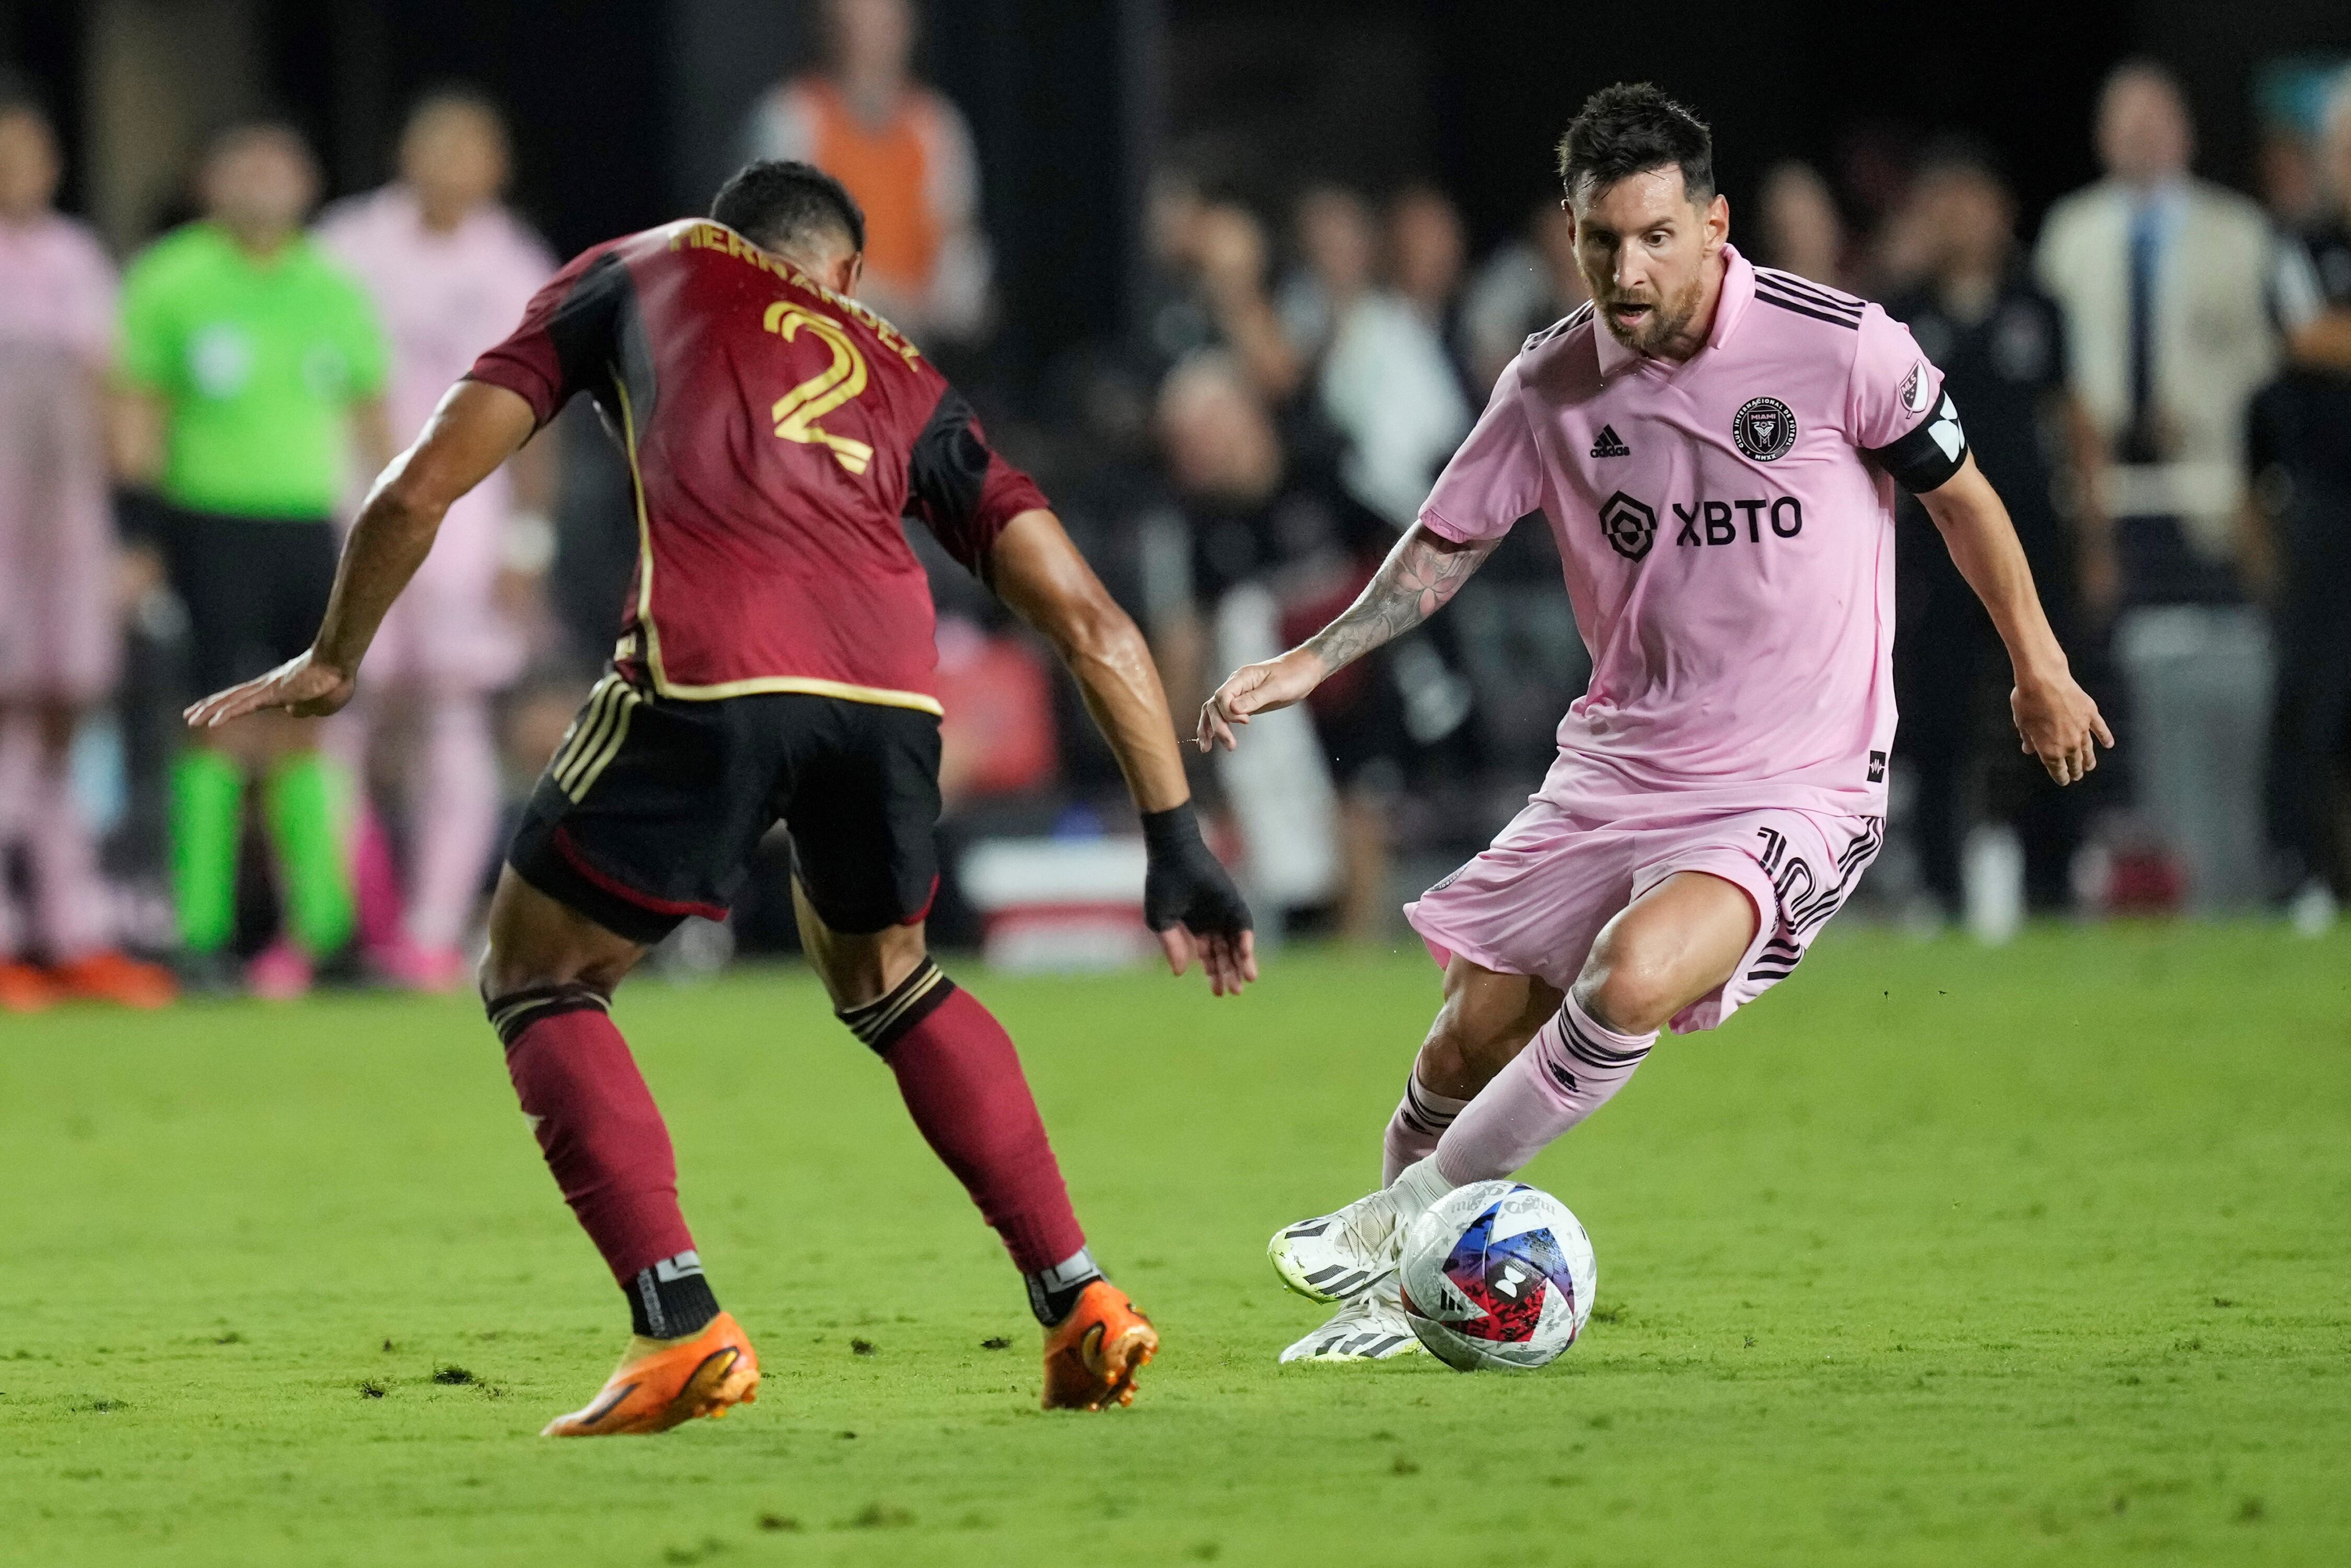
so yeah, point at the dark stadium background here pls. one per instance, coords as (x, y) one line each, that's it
(627, 111)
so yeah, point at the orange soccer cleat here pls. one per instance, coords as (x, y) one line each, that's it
(685, 1378)
(1092, 1356)
(111, 977)
(24, 988)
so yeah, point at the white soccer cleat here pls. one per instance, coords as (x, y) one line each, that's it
(1371, 1327)
(1338, 1257)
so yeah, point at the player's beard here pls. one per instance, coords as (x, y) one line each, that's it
(1660, 329)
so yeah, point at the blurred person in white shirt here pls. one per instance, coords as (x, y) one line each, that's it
(1383, 381)
(2165, 282)
(1524, 288)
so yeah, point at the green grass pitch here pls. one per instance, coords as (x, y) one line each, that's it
(1934, 1256)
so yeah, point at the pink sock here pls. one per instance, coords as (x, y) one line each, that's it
(456, 818)
(72, 901)
(1420, 1119)
(1566, 1073)
(375, 880)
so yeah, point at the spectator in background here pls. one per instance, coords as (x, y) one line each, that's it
(2163, 279)
(450, 270)
(905, 153)
(1524, 288)
(1207, 288)
(1427, 257)
(60, 638)
(1803, 231)
(1383, 381)
(2299, 453)
(251, 367)
(1999, 342)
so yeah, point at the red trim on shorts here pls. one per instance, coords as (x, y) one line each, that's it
(928, 899)
(622, 891)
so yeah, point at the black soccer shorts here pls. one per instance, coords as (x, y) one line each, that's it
(652, 807)
(256, 588)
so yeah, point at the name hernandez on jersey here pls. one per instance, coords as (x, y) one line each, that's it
(777, 431)
(1724, 530)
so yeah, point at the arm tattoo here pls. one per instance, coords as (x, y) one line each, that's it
(1421, 573)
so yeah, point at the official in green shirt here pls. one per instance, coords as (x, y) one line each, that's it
(251, 384)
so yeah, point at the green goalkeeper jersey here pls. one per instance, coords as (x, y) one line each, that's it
(257, 364)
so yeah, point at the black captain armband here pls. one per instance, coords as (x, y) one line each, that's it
(1925, 459)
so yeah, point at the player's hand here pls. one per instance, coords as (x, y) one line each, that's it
(1254, 689)
(2060, 725)
(1190, 901)
(302, 687)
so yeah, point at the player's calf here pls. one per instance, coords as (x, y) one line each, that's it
(1486, 1019)
(961, 1079)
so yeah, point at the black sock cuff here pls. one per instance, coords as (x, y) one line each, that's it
(881, 1024)
(517, 1010)
(671, 1299)
(1053, 1292)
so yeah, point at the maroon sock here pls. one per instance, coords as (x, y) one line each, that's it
(597, 1123)
(962, 1080)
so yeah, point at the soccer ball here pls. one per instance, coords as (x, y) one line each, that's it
(1498, 1274)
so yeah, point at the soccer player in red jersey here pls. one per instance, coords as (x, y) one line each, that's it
(775, 662)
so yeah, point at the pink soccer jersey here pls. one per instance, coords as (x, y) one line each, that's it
(444, 298)
(1726, 527)
(57, 632)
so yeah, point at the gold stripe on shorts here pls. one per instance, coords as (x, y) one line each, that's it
(624, 706)
(586, 732)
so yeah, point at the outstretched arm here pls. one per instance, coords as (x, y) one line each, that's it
(476, 427)
(2055, 719)
(1421, 573)
(1188, 897)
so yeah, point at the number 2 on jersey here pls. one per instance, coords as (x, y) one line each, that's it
(797, 411)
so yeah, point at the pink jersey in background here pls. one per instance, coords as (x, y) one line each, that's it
(1727, 542)
(58, 632)
(443, 298)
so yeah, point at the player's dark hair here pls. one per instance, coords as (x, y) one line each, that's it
(777, 203)
(1630, 128)
(453, 94)
(19, 96)
(1958, 153)
(265, 126)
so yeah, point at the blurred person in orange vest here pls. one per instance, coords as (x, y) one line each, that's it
(905, 154)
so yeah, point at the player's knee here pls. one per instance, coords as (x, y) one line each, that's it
(1628, 991)
(889, 1018)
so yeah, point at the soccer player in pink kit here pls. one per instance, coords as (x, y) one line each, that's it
(60, 639)
(451, 270)
(1714, 445)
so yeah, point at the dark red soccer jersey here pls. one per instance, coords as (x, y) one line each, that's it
(778, 433)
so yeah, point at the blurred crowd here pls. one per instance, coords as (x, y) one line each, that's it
(2159, 385)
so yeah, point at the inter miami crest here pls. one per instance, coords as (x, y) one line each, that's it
(1765, 428)
(1631, 527)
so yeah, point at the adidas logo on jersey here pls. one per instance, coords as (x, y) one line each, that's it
(1610, 444)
